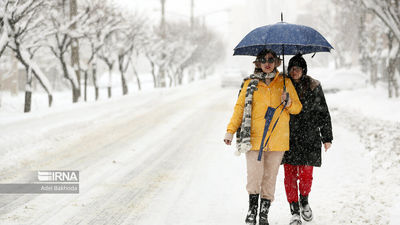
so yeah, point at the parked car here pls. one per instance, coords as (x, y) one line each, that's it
(233, 78)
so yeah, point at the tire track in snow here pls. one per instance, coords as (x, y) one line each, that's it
(80, 159)
(157, 169)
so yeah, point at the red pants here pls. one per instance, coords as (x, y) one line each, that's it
(294, 173)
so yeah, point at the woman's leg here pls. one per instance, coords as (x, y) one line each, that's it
(291, 182)
(254, 172)
(305, 177)
(272, 161)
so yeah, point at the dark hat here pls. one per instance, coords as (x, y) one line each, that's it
(299, 61)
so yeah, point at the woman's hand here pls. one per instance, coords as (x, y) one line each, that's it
(228, 138)
(327, 145)
(283, 98)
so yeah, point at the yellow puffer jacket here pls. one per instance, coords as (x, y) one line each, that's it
(264, 97)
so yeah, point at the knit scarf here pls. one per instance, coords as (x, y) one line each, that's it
(243, 134)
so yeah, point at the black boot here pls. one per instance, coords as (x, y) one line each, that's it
(251, 218)
(305, 209)
(264, 208)
(295, 211)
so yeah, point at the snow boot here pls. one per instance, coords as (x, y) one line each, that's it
(295, 211)
(305, 209)
(264, 208)
(251, 218)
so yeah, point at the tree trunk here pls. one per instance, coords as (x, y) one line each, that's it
(124, 85)
(180, 76)
(96, 92)
(191, 75)
(28, 90)
(390, 77)
(94, 74)
(153, 73)
(85, 91)
(395, 87)
(109, 91)
(50, 98)
(398, 73)
(75, 48)
(75, 90)
(137, 78)
(75, 94)
(374, 75)
(170, 78)
(121, 70)
(396, 68)
(392, 64)
(29, 73)
(371, 67)
(176, 76)
(161, 77)
(28, 101)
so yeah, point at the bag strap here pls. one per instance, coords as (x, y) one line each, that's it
(266, 130)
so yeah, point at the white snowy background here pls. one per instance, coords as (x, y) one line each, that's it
(156, 156)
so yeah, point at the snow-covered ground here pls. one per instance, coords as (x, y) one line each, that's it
(157, 157)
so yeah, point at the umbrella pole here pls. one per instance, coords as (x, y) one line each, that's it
(284, 75)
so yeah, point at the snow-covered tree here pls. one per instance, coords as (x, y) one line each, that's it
(209, 51)
(108, 55)
(388, 12)
(24, 24)
(100, 25)
(371, 29)
(151, 47)
(129, 38)
(62, 30)
(180, 50)
(3, 30)
(335, 23)
(180, 47)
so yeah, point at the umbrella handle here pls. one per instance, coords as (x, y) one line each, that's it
(285, 102)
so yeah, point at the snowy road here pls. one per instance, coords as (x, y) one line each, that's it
(158, 158)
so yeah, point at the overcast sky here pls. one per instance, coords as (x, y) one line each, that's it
(216, 12)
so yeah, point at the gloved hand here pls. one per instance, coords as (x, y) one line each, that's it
(228, 138)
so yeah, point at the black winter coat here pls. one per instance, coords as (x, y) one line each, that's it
(310, 127)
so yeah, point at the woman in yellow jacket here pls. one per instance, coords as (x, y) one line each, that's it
(261, 90)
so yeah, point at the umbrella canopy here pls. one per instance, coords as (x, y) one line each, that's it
(284, 39)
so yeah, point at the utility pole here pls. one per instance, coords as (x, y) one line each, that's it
(73, 7)
(162, 23)
(161, 73)
(191, 14)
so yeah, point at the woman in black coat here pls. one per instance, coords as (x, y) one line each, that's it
(308, 130)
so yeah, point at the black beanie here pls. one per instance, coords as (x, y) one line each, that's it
(299, 61)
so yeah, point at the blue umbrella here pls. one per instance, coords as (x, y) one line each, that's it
(284, 39)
